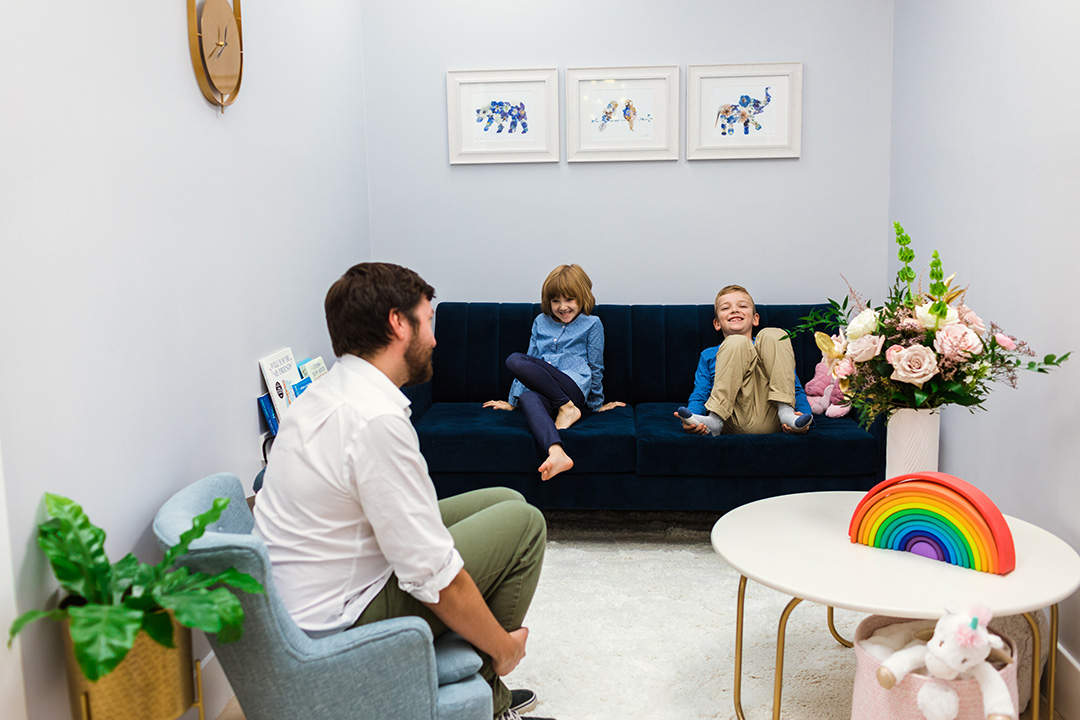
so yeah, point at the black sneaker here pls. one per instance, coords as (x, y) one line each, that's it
(513, 715)
(522, 701)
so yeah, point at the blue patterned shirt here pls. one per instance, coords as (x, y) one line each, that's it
(576, 348)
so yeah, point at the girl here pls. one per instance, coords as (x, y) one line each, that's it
(559, 381)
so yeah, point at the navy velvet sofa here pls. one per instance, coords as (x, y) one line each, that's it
(635, 457)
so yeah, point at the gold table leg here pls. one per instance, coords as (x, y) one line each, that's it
(835, 634)
(1036, 652)
(1051, 665)
(778, 682)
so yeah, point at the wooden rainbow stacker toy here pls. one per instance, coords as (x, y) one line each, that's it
(938, 516)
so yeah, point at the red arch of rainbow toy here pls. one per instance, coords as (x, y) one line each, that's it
(947, 516)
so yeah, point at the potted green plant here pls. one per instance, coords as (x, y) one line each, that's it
(108, 604)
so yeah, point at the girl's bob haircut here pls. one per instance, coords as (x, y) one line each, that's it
(567, 281)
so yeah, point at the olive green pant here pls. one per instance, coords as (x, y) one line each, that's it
(751, 377)
(501, 538)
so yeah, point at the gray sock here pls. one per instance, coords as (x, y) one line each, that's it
(789, 418)
(712, 421)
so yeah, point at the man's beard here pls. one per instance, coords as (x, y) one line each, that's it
(418, 361)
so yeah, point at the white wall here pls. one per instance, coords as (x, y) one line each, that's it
(985, 158)
(153, 249)
(645, 232)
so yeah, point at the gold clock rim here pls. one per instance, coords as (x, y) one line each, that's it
(195, 48)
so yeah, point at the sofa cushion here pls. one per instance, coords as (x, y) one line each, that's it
(833, 446)
(467, 437)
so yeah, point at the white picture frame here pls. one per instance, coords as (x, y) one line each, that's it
(764, 101)
(602, 127)
(503, 116)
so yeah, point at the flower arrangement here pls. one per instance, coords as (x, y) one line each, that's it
(918, 350)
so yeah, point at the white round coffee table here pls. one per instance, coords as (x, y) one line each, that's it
(799, 545)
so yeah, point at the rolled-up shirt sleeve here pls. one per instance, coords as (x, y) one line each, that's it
(398, 498)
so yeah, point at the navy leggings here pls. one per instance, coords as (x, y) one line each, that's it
(548, 389)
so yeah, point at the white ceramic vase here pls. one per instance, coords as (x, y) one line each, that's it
(912, 442)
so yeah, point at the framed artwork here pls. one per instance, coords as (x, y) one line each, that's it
(503, 116)
(743, 111)
(629, 113)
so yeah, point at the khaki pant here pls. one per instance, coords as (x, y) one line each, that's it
(501, 538)
(751, 377)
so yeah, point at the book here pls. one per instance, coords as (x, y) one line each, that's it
(313, 369)
(301, 386)
(267, 408)
(280, 373)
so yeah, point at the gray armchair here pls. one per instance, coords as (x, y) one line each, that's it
(382, 671)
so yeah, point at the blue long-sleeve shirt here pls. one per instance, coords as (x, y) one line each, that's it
(576, 348)
(703, 384)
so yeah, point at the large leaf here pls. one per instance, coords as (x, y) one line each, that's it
(29, 617)
(159, 626)
(239, 580)
(202, 609)
(123, 577)
(102, 635)
(198, 527)
(75, 548)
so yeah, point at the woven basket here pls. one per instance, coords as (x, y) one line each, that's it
(152, 682)
(873, 702)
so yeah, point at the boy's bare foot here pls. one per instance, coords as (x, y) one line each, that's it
(557, 462)
(568, 415)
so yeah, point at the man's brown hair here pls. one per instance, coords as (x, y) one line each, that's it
(358, 306)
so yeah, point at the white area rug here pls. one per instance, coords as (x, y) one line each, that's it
(646, 631)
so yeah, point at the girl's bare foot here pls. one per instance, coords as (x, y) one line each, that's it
(557, 462)
(568, 415)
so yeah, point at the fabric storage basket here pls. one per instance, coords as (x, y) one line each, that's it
(873, 702)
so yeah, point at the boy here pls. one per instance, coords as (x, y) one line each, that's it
(745, 386)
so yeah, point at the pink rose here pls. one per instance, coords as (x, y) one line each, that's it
(844, 368)
(891, 353)
(973, 320)
(914, 365)
(865, 347)
(1005, 341)
(957, 342)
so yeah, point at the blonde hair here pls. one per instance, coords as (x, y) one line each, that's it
(567, 281)
(730, 289)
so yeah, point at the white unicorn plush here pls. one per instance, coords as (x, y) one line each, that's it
(959, 648)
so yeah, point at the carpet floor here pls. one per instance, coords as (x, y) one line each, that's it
(632, 624)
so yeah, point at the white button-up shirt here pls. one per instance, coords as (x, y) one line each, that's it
(347, 499)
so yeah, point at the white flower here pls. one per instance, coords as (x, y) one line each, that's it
(864, 323)
(930, 321)
(915, 365)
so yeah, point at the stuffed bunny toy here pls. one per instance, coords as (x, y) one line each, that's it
(824, 395)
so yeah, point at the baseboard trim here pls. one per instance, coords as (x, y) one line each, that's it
(216, 690)
(1067, 689)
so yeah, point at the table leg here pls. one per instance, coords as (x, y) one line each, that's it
(738, 648)
(1036, 653)
(778, 683)
(1051, 665)
(835, 634)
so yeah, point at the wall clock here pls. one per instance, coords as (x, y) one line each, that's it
(216, 42)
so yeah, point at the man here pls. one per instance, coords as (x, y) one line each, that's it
(350, 516)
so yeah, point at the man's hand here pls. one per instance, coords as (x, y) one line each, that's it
(505, 665)
(498, 405)
(609, 405)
